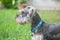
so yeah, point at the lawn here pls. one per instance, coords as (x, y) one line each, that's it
(10, 30)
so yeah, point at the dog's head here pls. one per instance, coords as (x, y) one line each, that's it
(25, 14)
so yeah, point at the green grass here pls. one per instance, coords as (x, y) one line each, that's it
(10, 30)
(50, 16)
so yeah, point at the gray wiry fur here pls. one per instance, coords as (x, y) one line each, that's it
(46, 31)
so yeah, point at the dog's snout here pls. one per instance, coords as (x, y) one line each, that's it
(22, 12)
(16, 16)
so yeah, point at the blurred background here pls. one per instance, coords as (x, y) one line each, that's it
(49, 11)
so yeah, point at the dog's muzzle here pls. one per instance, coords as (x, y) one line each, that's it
(21, 20)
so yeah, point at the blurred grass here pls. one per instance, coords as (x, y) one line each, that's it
(10, 30)
(50, 16)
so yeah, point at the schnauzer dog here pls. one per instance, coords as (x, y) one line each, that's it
(40, 30)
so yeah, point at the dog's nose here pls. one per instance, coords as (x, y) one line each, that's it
(16, 16)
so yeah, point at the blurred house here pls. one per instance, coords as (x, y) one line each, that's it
(45, 4)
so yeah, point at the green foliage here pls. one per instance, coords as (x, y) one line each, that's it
(10, 29)
(22, 1)
(7, 3)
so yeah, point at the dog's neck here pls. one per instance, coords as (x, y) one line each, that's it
(35, 20)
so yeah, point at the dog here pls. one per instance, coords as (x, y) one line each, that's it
(40, 30)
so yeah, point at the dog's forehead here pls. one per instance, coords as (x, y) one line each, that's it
(29, 8)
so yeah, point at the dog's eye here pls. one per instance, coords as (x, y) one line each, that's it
(28, 7)
(16, 16)
(22, 12)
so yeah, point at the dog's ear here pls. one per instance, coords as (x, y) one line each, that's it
(32, 12)
(24, 5)
(20, 6)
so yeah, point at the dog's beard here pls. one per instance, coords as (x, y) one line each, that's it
(21, 20)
